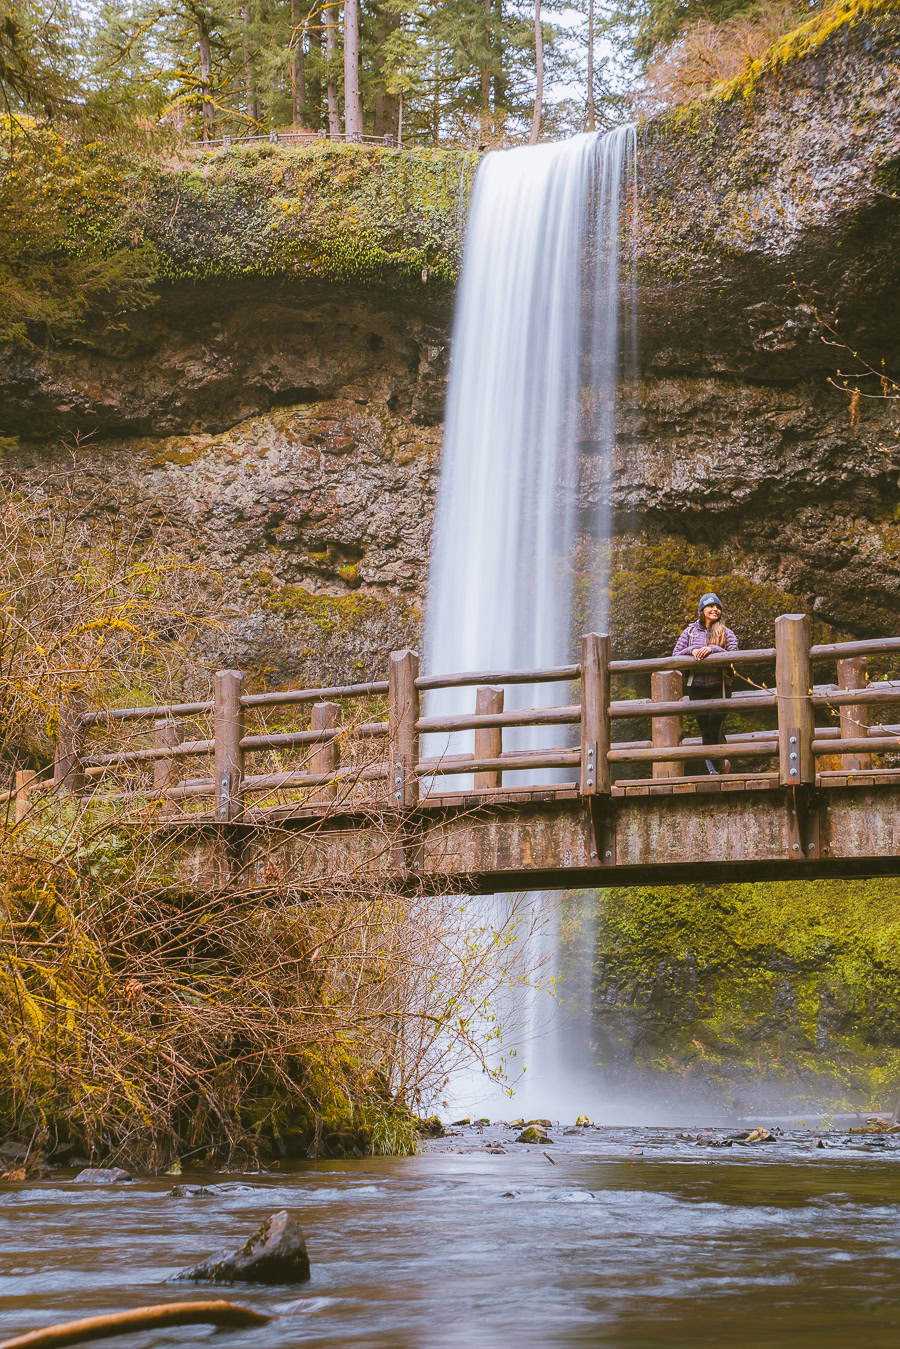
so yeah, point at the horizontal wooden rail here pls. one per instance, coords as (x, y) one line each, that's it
(165, 712)
(552, 675)
(743, 749)
(258, 782)
(644, 707)
(875, 646)
(285, 696)
(127, 756)
(535, 716)
(870, 744)
(754, 657)
(514, 761)
(883, 691)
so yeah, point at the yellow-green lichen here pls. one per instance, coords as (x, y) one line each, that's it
(799, 42)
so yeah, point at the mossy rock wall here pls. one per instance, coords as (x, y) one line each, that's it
(780, 996)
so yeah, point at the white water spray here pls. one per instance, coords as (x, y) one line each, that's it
(528, 444)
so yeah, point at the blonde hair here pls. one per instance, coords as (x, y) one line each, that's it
(715, 633)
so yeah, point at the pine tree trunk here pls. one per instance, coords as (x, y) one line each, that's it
(499, 77)
(485, 116)
(334, 118)
(539, 73)
(252, 100)
(591, 113)
(205, 78)
(297, 67)
(353, 118)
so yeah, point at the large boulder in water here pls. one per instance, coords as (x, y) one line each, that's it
(103, 1175)
(276, 1253)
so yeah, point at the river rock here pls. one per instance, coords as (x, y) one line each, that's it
(583, 1122)
(189, 1192)
(276, 1253)
(13, 1152)
(103, 1175)
(431, 1127)
(533, 1135)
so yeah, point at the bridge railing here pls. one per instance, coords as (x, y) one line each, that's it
(334, 762)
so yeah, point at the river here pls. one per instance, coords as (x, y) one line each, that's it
(635, 1238)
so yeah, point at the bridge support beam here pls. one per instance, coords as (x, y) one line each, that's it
(403, 713)
(67, 770)
(855, 718)
(793, 688)
(229, 732)
(488, 739)
(167, 773)
(325, 757)
(666, 687)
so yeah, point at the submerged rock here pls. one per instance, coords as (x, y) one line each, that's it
(103, 1175)
(276, 1253)
(189, 1192)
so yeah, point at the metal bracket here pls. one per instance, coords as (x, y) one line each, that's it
(794, 755)
(601, 831)
(803, 824)
(399, 777)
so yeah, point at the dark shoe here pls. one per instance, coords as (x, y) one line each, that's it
(711, 768)
(725, 766)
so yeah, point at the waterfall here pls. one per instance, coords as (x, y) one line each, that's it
(530, 422)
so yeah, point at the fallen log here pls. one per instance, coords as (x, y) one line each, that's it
(214, 1313)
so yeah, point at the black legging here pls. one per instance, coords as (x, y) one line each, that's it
(710, 723)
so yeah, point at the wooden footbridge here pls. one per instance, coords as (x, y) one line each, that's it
(372, 784)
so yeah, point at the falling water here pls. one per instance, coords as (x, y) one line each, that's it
(530, 432)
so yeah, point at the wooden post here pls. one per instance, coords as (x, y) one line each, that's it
(665, 687)
(403, 739)
(851, 673)
(167, 772)
(325, 756)
(67, 770)
(229, 732)
(595, 775)
(796, 763)
(488, 739)
(25, 780)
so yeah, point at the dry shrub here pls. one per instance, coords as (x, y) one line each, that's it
(147, 1021)
(708, 52)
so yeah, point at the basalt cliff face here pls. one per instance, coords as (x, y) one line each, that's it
(282, 399)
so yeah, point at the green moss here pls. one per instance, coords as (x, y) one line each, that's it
(796, 983)
(336, 213)
(328, 613)
(654, 587)
(799, 42)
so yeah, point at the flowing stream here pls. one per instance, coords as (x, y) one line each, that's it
(529, 437)
(635, 1239)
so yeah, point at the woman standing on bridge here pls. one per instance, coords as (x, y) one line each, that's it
(700, 639)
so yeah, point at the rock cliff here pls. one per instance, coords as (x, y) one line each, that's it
(283, 396)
